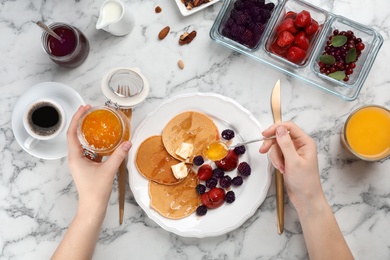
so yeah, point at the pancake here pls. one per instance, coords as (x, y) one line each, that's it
(154, 162)
(189, 127)
(175, 201)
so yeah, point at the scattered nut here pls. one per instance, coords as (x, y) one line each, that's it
(187, 38)
(158, 9)
(164, 32)
(180, 63)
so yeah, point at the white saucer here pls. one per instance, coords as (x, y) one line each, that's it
(67, 97)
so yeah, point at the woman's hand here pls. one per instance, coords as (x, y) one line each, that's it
(294, 154)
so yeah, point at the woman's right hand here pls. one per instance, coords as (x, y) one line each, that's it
(294, 154)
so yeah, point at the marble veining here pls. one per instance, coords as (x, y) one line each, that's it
(38, 198)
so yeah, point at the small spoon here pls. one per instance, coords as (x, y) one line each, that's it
(218, 150)
(49, 31)
(250, 141)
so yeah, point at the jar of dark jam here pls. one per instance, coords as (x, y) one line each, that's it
(72, 51)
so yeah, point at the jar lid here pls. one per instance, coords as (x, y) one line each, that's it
(125, 87)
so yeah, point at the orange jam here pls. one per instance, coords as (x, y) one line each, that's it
(102, 129)
(216, 151)
(367, 133)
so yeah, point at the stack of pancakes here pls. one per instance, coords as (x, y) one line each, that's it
(175, 198)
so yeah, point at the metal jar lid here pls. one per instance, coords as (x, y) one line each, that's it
(125, 87)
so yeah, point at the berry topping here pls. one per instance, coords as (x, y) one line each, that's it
(214, 198)
(230, 197)
(198, 160)
(237, 181)
(218, 173)
(200, 189)
(228, 163)
(239, 150)
(244, 169)
(201, 210)
(227, 134)
(211, 183)
(205, 172)
(225, 181)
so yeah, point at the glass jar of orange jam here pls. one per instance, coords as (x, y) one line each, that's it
(101, 130)
(366, 133)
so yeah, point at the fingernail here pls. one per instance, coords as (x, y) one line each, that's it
(126, 146)
(280, 131)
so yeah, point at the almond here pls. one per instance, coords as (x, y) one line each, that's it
(187, 38)
(164, 32)
(158, 9)
(180, 63)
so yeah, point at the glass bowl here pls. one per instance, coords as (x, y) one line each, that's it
(369, 38)
(307, 71)
(233, 21)
(289, 11)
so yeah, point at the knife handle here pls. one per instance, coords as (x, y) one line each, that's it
(122, 180)
(279, 183)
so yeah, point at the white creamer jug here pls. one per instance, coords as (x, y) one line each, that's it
(115, 18)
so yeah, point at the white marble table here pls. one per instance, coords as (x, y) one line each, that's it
(38, 198)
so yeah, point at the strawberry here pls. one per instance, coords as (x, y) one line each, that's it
(285, 38)
(205, 172)
(286, 25)
(312, 28)
(296, 54)
(291, 15)
(303, 19)
(301, 40)
(228, 163)
(214, 198)
(281, 51)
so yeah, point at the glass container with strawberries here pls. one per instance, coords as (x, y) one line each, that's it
(295, 33)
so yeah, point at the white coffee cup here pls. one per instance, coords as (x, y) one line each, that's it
(43, 119)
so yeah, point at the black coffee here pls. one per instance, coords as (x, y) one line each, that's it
(44, 118)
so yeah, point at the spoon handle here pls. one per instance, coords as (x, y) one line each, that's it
(49, 31)
(252, 141)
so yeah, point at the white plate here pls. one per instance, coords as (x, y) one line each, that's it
(226, 113)
(185, 12)
(67, 97)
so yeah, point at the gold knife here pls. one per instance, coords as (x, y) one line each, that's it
(277, 114)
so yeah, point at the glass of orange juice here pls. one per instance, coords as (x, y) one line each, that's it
(101, 130)
(366, 133)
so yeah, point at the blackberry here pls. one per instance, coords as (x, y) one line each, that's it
(237, 181)
(211, 183)
(230, 197)
(227, 134)
(198, 160)
(244, 169)
(200, 188)
(269, 6)
(218, 173)
(247, 36)
(229, 23)
(201, 210)
(225, 181)
(265, 15)
(239, 150)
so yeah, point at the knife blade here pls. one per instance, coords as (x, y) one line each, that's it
(279, 182)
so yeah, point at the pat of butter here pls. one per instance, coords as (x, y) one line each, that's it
(185, 150)
(180, 170)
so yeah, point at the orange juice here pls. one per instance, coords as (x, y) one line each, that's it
(102, 129)
(367, 133)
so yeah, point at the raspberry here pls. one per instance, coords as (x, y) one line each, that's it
(200, 188)
(211, 183)
(201, 210)
(244, 169)
(227, 134)
(237, 181)
(198, 160)
(225, 182)
(240, 150)
(218, 173)
(230, 197)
